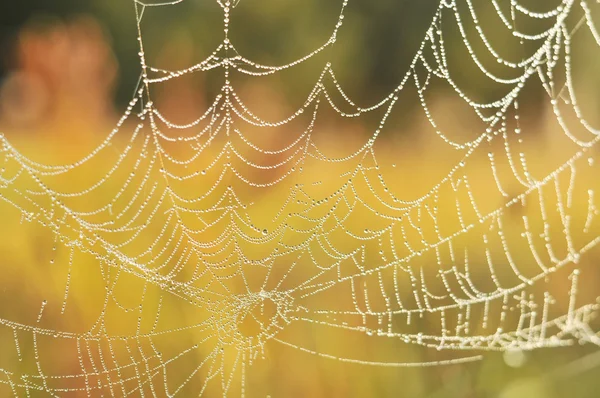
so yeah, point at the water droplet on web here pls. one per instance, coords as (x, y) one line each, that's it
(514, 357)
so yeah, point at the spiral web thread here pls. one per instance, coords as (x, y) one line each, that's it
(174, 220)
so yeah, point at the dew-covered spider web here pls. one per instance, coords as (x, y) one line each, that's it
(215, 240)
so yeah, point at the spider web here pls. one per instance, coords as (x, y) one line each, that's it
(211, 244)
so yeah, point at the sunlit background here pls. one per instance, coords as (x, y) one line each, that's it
(70, 67)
